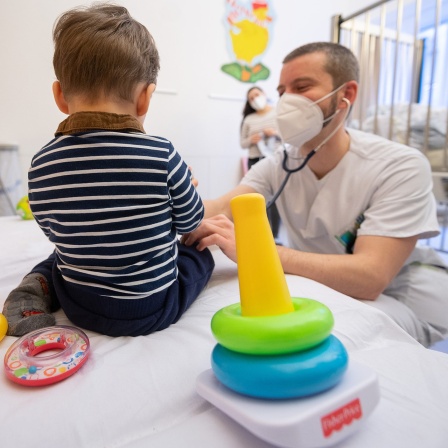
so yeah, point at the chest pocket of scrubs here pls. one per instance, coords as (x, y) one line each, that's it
(348, 237)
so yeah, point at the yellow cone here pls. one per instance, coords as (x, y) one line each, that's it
(263, 288)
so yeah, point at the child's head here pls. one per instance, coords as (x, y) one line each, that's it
(101, 51)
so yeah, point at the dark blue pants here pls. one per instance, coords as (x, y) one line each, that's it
(133, 317)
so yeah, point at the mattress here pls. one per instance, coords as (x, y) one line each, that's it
(140, 392)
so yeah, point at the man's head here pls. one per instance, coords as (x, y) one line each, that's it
(326, 74)
(101, 51)
(316, 69)
(340, 63)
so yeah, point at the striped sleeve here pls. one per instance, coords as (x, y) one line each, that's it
(188, 209)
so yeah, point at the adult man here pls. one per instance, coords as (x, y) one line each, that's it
(353, 215)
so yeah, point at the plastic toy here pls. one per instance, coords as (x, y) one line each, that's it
(277, 369)
(3, 326)
(68, 349)
(308, 325)
(272, 333)
(297, 374)
(263, 287)
(23, 209)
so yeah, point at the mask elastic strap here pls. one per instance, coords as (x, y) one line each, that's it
(331, 116)
(329, 94)
(336, 129)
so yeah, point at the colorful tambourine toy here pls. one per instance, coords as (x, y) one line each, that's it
(47, 355)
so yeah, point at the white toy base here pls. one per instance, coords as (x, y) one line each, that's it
(317, 421)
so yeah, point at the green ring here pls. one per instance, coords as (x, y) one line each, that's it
(308, 325)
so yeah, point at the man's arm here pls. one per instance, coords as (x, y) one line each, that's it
(363, 275)
(221, 205)
(375, 261)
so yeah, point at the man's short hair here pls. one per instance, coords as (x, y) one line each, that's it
(102, 51)
(341, 63)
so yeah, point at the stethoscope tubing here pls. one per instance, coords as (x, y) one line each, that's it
(288, 173)
(305, 161)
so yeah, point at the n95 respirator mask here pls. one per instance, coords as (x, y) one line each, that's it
(259, 102)
(299, 119)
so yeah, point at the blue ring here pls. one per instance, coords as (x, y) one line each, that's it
(291, 375)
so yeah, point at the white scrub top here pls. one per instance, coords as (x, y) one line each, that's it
(378, 188)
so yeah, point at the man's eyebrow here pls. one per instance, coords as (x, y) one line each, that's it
(297, 81)
(303, 79)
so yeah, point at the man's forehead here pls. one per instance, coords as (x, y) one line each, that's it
(306, 64)
(306, 68)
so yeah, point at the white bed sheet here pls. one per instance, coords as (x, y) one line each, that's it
(140, 392)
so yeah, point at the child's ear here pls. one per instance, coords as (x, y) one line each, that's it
(59, 98)
(143, 99)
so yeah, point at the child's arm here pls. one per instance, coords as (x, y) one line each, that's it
(188, 209)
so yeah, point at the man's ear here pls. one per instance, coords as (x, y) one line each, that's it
(350, 91)
(143, 99)
(59, 98)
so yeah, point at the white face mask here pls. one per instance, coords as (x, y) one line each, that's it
(259, 102)
(299, 119)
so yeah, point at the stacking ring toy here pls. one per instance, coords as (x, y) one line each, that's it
(282, 376)
(69, 349)
(308, 325)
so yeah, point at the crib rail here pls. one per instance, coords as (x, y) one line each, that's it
(402, 47)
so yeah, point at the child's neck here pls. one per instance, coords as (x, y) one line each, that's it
(102, 106)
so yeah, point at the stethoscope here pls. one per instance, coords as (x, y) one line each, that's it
(289, 172)
(305, 161)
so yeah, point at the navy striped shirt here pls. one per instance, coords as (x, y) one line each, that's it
(113, 203)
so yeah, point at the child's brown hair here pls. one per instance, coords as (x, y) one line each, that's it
(102, 51)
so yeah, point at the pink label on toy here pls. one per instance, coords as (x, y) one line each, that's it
(340, 417)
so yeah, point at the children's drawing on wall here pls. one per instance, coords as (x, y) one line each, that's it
(248, 27)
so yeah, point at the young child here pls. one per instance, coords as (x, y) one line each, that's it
(111, 198)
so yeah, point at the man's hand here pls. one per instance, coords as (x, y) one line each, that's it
(194, 181)
(217, 230)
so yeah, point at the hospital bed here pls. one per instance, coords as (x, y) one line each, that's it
(141, 392)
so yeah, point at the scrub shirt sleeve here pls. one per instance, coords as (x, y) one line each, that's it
(403, 205)
(261, 176)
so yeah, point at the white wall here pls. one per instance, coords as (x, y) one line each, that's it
(196, 106)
